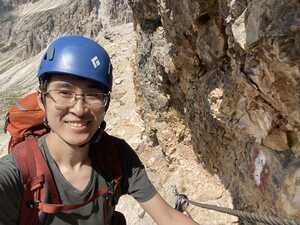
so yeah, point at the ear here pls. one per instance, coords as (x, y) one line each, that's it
(40, 100)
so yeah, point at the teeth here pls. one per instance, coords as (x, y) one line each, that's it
(77, 124)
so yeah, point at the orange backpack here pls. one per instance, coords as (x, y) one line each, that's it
(25, 122)
(23, 119)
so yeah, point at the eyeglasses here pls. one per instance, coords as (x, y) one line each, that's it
(68, 98)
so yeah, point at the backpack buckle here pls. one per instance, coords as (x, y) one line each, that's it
(32, 204)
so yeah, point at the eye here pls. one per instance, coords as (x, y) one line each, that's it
(65, 93)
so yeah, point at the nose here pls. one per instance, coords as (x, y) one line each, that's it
(80, 107)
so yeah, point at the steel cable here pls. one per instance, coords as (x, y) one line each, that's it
(251, 217)
(182, 202)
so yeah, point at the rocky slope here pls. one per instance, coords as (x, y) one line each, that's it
(230, 71)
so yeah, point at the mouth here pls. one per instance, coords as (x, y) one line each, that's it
(77, 124)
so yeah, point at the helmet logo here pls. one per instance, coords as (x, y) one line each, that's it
(95, 62)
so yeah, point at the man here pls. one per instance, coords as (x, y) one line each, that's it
(75, 78)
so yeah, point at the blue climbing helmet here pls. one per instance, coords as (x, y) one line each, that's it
(77, 56)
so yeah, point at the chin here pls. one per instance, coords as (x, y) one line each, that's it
(78, 141)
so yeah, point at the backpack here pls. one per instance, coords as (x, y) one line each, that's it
(25, 122)
(23, 119)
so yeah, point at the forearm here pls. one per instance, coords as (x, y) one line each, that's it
(163, 214)
(178, 218)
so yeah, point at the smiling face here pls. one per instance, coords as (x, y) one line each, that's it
(75, 124)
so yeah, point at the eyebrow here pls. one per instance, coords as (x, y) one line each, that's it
(63, 84)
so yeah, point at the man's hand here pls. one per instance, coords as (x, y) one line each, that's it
(163, 214)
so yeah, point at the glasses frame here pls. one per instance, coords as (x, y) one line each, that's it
(75, 98)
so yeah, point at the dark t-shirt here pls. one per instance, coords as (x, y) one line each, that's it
(134, 182)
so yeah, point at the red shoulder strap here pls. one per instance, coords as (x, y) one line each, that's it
(35, 174)
(109, 160)
(109, 156)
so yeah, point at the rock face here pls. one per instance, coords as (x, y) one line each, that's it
(230, 71)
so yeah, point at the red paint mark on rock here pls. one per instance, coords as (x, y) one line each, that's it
(261, 169)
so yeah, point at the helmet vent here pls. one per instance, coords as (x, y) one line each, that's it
(50, 54)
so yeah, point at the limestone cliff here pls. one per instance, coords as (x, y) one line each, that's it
(230, 71)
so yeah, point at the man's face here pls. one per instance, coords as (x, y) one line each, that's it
(75, 123)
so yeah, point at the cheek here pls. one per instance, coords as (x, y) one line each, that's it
(53, 115)
(99, 115)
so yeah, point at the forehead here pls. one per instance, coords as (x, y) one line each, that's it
(67, 80)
